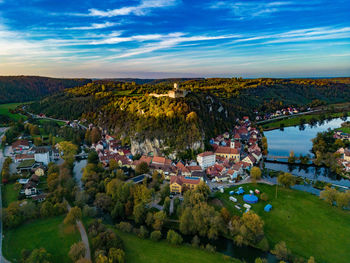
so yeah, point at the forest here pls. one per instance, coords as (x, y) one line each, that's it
(211, 107)
(28, 88)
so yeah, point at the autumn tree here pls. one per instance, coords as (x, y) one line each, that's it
(281, 251)
(73, 215)
(329, 195)
(286, 179)
(255, 173)
(77, 251)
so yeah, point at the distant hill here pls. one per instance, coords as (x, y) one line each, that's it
(151, 81)
(211, 107)
(27, 88)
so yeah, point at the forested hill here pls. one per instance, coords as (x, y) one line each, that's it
(211, 106)
(27, 88)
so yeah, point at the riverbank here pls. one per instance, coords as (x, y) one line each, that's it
(303, 221)
(331, 112)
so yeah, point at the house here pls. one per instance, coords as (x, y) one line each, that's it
(159, 163)
(20, 145)
(143, 159)
(178, 184)
(26, 165)
(257, 155)
(30, 189)
(42, 155)
(250, 159)
(184, 171)
(347, 155)
(206, 159)
(228, 153)
(39, 198)
(23, 157)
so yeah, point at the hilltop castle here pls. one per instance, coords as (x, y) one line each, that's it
(175, 93)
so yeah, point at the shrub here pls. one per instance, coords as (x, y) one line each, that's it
(125, 227)
(156, 235)
(210, 248)
(173, 237)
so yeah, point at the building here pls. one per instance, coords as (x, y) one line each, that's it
(20, 145)
(175, 93)
(42, 155)
(206, 159)
(178, 184)
(228, 153)
(160, 163)
(23, 157)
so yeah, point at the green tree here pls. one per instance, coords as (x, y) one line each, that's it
(142, 168)
(93, 157)
(159, 219)
(139, 213)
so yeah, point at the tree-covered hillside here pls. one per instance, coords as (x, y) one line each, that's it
(211, 106)
(27, 88)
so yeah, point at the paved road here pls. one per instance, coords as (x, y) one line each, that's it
(84, 236)
(2, 259)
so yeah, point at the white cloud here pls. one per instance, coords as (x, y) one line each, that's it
(139, 10)
(250, 10)
(93, 26)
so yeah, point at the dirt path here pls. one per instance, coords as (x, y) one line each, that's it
(84, 236)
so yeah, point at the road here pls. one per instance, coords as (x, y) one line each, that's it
(2, 158)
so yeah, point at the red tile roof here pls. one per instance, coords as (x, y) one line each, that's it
(204, 154)
(184, 180)
(226, 150)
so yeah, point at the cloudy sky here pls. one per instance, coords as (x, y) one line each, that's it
(175, 38)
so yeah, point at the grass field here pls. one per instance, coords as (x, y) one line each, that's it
(148, 251)
(308, 225)
(345, 129)
(9, 194)
(49, 233)
(4, 110)
(295, 121)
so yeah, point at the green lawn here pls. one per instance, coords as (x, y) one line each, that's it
(4, 110)
(9, 194)
(308, 225)
(295, 120)
(50, 234)
(145, 250)
(344, 129)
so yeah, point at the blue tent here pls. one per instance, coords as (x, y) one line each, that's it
(250, 199)
(240, 191)
(232, 192)
(267, 208)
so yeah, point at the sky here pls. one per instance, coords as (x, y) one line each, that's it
(175, 38)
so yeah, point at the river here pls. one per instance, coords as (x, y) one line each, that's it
(281, 142)
(78, 171)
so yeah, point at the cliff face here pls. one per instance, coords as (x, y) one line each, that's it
(158, 147)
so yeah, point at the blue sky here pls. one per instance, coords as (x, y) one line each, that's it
(175, 38)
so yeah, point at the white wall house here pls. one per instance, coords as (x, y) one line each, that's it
(42, 155)
(206, 159)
